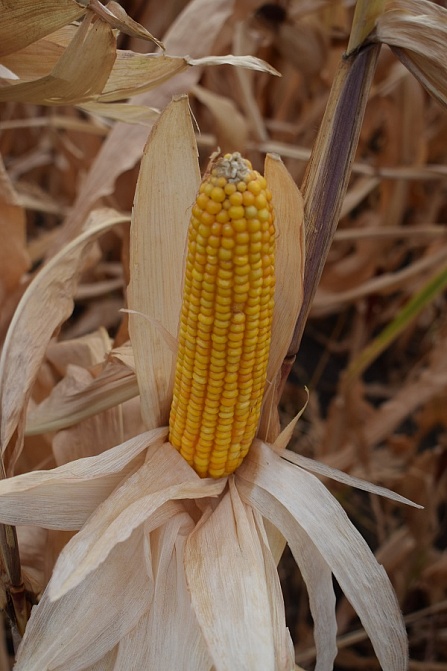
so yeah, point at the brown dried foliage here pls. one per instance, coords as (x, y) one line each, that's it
(389, 425)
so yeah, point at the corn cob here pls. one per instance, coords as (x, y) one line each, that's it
(226, 318)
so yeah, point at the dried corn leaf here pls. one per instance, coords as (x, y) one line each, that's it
(189, 34)
(97, 434)
(134, 114)
(117, 17)
(416, 30)
(39, 58)
(80, 74)
(136, 73)
(161, 213)
(14, 260)
(25, 21)
(85, 351)
(47, 302)
(249, 62)
(67, 405)
(231, 126)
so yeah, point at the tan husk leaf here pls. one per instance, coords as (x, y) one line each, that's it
(170, 157)
(25, 21)
(235, 571)
(164, 477)
(289, 267)
(47, 302)
(70, 493)
(264, 481)
(416, 30)
(290, 257)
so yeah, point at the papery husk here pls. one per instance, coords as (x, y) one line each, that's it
(45, 305)
(98, 433)
(69, 494)
(146, 646)
(289, 267)
(162, 214)
(86, 351)
(100, 626)
(298, 503)
(229, 587)
(148, 497)
(329, 472)
(133, 114)
(38, 58)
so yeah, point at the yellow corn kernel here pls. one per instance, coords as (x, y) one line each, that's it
(225, 323)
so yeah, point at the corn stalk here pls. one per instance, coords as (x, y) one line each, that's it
(329, 169)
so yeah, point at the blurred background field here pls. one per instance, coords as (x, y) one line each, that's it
(385, 421)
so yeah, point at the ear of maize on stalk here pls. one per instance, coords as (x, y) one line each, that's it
(226, 319)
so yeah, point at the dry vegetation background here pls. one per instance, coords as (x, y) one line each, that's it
(388, 423)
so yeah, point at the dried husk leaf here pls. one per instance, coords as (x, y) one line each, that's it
(80, 74)
(48, 641)
(249, 62)
(289, 267)
(289, 258)
(164, 478)
(69, 494)
(24, 22)
(228, 588)
(85, 351)
(329, 472)
(98, 433)
(45, 305)
(269, 485)
(161, 213)
(14, 259)
(416, 30)
(148, 645)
